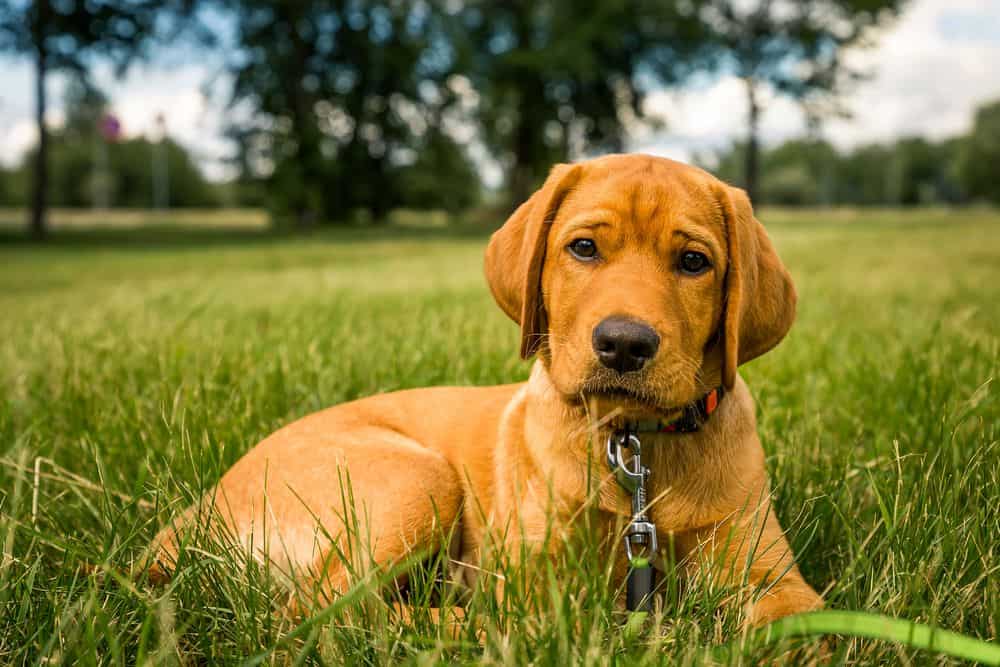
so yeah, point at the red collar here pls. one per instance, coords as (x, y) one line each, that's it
(691, 419)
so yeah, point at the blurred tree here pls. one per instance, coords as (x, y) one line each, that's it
(810, 172)
(127, 181)
(64, 35)
(420, 182)
(131, 167)
(558, 78)
(951, 187)
(129, 174)
(799, 172)
(74, 176)
(864, 175)
(12, 188)
(342, 91)
(792, 48)
(922, 172)
(84, 106)
(979, 159)
(725, 163)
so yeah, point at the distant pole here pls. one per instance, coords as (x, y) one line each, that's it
(161, 167)
(109, 130)
(99, 185)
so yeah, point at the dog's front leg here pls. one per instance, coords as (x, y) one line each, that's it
(749, 550)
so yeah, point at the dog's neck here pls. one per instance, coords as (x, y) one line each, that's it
(571, 415)
(569, 445)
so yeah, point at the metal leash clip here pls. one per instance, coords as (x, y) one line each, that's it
(629, 478)
(641, 534)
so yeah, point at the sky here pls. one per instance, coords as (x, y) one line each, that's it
(929, 70)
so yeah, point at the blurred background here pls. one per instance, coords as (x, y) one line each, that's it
(304, 113)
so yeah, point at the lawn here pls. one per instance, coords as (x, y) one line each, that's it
(136, 366)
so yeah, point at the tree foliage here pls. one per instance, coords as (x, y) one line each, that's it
(810, 172)
(351, 95)
(795, 49)
(128, 179)
(66, 35)
(980, 154)
(345, 94)
(560, 78)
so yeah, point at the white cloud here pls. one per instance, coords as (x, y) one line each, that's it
(709, 114)
(17, 131)
(930, 69)
(193, 119)
(18, 137)
(930, 72)
(21, 134)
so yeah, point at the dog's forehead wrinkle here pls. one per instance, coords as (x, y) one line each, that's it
(647, 197)
(646, 200)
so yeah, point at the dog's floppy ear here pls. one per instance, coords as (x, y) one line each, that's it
(516, 254)
(760, 297)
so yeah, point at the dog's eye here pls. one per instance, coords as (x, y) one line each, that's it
(694, 263)
(583, 249)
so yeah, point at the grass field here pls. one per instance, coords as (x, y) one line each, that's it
(135, 367)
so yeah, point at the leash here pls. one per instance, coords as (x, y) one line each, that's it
(641, 546)
(640, 538)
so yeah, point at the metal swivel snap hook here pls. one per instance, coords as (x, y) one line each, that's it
(641, 533)
(630, 477)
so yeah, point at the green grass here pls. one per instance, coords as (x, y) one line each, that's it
(137, 366)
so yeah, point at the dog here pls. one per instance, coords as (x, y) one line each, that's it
(640, 284)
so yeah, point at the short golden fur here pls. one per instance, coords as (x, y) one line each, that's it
(518, 453)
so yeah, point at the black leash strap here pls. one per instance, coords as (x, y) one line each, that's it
(640, 538)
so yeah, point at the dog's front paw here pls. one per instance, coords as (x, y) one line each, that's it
(780, 602)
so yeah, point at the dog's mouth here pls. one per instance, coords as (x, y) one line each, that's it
(609, 400)
(620, 393)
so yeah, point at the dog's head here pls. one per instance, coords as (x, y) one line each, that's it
(641, 282)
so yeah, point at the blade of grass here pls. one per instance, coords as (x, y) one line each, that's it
(870, 626)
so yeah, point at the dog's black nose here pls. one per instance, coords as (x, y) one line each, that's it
(623, 344)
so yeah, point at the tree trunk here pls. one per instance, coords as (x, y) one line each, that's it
(751, 176)
(522, 173)
(381, 203)
(39, 204)
(528, 149)
(307, 198)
